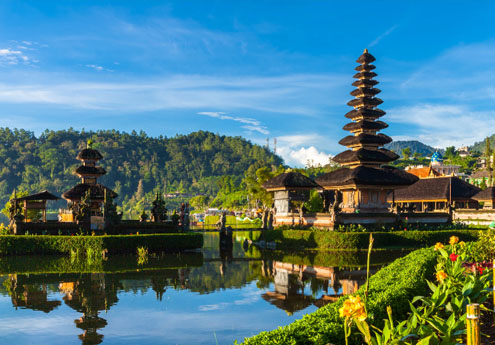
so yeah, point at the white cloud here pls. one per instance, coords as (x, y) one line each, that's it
(382, 36)
(12, 57)
(445, 125)
(98, 68)
(288, 94)
(303, 156)
(250, 124)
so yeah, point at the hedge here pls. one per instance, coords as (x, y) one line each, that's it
(41, 244)
(394, 285)
(327, 240)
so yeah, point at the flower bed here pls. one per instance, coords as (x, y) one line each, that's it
(400, 292)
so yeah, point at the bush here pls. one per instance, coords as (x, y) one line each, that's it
(392, 286)
(26, 244)
(327, 240)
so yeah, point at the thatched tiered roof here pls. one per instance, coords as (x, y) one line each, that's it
(365, 144)
(97, 192)
(366, 156)
(89, 154)
(290, 180)
(368, 176)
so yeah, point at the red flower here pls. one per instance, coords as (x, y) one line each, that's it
(480, 269)
(453, 257)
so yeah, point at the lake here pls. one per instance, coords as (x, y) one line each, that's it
(204, 297)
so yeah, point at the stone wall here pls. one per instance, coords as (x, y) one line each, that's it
(474, 217)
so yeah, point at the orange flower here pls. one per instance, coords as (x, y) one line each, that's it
(353, 308)
(441, 276)
(453, 240)
(438, 246)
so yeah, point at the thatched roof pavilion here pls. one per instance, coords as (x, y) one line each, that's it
(487, 197)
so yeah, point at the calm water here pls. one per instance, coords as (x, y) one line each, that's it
(205, 297)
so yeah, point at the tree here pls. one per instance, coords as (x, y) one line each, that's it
(450, 152)
(406, 152)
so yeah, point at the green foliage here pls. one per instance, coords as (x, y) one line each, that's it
(406, 152)
(450, 152)
(393, 285)
(315, 202)
(137, 166)
(82, 245)
(484, 248)
(327, 240)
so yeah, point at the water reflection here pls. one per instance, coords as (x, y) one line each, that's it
(292, 283)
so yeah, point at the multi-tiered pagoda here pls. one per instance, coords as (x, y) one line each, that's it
(365, 183)
(89, 174)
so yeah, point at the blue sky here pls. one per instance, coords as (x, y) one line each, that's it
(257, 69)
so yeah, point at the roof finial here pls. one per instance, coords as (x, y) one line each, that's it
(365, 50)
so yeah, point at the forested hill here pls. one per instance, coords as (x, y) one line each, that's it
(413, 145)
(480, 146)
(136, 164)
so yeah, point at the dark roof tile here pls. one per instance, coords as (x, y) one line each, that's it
(362, 175)
(290, 180)
(438, 188)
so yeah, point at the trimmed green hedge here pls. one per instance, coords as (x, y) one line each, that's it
(327, 240)
(34, 244)
(394, 285)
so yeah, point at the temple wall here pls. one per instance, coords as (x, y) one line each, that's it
(474, 217)
(325, 220)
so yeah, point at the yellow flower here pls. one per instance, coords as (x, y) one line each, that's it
(353, 308)
(441, 275)
(462, 244)
(438, 246)
(453, 240)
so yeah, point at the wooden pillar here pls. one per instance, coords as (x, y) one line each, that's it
(25, 211)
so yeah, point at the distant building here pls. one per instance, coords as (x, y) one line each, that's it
(446, 170)
(463, 151)
(478, 177)
(423, 172)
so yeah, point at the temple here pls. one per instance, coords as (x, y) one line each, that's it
(365, 182)
(89, 191)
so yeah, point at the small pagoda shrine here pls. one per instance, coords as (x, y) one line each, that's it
(364, 182)
(89, 192)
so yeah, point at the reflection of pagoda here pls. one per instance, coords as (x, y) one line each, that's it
(364, 182)
(88, 295)
(89, 173)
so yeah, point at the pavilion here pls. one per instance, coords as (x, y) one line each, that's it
(487, 197)
(33, 202)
